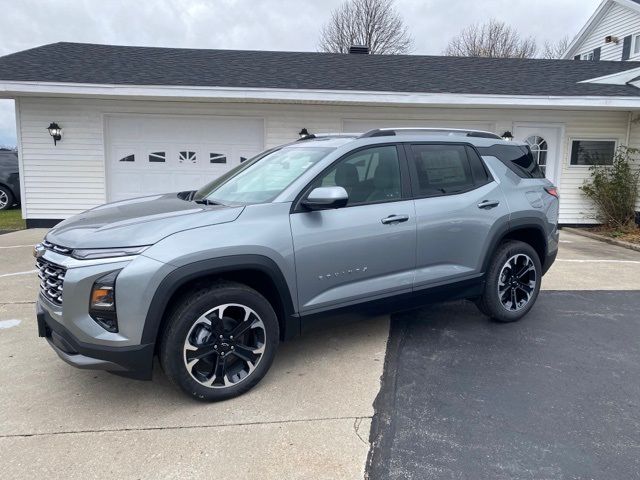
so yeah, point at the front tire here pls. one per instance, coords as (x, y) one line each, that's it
(6, 198)
(220, 341)
(513, 282)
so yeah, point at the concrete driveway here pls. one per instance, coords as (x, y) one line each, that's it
(309, 418)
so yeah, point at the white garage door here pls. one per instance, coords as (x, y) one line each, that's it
(355, 126)
(148, 154)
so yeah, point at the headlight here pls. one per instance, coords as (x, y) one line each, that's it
(102, 304)
(92, 253)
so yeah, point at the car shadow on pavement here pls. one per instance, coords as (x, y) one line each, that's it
(556, 395)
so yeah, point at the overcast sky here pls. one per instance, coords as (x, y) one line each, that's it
(255, 24)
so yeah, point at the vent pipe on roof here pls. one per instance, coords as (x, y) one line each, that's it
(359, 49)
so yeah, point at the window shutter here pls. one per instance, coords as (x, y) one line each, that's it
(626, 48)
(577, 57)
(596, 54)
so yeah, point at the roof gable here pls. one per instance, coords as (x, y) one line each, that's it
(74, 63)
(603, 9)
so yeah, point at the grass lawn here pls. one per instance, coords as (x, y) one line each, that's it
(11, 219)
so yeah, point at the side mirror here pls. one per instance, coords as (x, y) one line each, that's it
(324, 198)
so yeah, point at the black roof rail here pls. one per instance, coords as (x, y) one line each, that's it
(392, 132)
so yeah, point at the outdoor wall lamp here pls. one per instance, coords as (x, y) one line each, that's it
(507, 136)
(304, 133)
(55, 131)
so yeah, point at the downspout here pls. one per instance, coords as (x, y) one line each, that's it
(629, 128)
(19, 146)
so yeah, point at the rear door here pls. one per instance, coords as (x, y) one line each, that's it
(458, 206)
(365, 250)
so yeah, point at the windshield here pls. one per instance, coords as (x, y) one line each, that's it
(263, 178)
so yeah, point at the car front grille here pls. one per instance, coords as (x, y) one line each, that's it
(51, 280)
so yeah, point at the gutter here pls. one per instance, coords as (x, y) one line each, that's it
(10, 89)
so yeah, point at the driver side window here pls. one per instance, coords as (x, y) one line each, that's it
(369, 176)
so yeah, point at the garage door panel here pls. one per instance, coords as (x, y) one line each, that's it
(149, 155)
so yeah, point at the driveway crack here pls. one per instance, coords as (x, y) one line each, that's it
(184, 427)
(356, 427)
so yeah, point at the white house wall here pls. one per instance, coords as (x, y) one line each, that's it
(634, 142)
(618, 21)
(66, 179)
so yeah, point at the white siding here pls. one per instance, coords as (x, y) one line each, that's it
(618, 21)
(69, 178)
(634, 142)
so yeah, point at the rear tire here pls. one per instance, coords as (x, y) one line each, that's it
(512, 283)
(6, 198)
(220, 341)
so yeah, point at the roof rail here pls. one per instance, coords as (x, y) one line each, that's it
(392, 132)
(312, 136)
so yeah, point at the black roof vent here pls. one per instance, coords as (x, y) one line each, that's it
(359, 49)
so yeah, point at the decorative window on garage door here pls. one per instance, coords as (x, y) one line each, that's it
(128, 158)
(157, 157)
(217, 158)
(187, 156)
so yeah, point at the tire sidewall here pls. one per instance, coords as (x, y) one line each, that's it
(10, 199)
(183, 318)
(491, 301)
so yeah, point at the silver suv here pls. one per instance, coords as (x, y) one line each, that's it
(212, 280)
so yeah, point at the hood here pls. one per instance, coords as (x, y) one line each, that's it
(137, 222)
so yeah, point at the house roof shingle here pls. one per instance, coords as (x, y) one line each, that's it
(124, 65)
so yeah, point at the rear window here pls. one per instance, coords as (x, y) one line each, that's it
(517, 157)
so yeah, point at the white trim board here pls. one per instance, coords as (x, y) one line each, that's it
(275, 95)
(620, 78)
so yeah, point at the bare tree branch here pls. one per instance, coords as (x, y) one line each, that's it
(552, 50)
(491, 39)
(374, 23)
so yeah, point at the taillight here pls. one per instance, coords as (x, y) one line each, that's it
(552, 191)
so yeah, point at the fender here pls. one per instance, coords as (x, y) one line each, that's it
(182, 275)
(512, 226)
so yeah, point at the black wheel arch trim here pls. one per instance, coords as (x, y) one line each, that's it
(513, 226)
(192, 271)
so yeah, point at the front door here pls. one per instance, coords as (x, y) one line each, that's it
(365, 250)
(544, 141)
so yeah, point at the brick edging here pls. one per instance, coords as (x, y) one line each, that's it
(603, 238)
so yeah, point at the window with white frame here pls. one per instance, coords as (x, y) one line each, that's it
(587, 56)
(588, 152)
(635, 45)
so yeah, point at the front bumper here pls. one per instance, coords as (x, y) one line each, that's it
(130, 361)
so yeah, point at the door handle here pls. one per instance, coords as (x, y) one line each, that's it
(395, 219)
(488, 204)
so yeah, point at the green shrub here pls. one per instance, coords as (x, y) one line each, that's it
(614, 189)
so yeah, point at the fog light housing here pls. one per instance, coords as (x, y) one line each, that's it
(102, 302)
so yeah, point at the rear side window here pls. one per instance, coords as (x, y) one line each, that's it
(480, 174)
(517, 157)
(441, 169)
